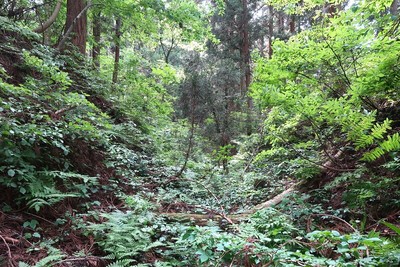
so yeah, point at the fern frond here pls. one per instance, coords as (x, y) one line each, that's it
(391, 144)
(47, 260)
(109, 257)
(120, 263)
(380, 129)
(364, 141)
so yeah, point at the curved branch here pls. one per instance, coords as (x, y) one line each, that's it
(51, 19)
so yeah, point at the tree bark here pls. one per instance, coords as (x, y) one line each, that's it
(117, 49)
(189, 149)
(78, 22)
(292, 24)
(270, 29)
(394, 8)
(51, 19)
(245, 49)
(97, 38)
(245, 64)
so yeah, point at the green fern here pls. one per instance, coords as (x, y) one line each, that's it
(47, 261)
(120, 263)
(390, 145)
(380, 129)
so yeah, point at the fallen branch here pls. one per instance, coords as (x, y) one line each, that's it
(57, 114)
(11, 240)
(85, 258)
(274, 201)
(202, 219)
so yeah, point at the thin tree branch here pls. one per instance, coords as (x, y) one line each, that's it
(334, 217)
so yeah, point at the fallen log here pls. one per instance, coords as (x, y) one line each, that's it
(203, 219)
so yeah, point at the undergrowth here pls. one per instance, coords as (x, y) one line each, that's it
(92, 194)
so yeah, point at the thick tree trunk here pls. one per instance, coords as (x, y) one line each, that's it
(78, 22)
(117, 50)
(97, 38)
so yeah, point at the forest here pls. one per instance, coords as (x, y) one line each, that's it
(199, 133)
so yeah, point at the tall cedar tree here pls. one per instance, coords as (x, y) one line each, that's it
(79, 33)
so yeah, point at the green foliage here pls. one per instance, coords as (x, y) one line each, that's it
(271, 238)
(41, 119)
(326, 90)
(126, 234)
(391, 144)
(53, 257)
(327, 85)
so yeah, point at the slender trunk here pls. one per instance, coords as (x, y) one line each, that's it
(281, 23)
(78, 22)
(167, 49)
(193, 105)
(394, 8)
(225, 136)
(117, 50)
(270, 29)
(245, 52)
(189, 147)
(245, 49)
(96, 36)
(292, 24)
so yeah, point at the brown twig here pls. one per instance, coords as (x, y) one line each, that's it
(63, 110)
(8, 250)
(335, 217)
(86, 258)
(41, 218)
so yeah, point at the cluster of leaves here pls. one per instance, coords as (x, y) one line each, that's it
(337, 75)
(329, 98)
(40, 119)
(270, 237)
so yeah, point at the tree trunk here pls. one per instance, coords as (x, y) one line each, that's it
(189, 149)
(78, 23)
(117, 50)
(292, 24)
(270, 29)
(394, 8)
(96, 36)
(245, 49)
(245, 64)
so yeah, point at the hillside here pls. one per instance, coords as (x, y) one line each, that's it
(97, 172)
